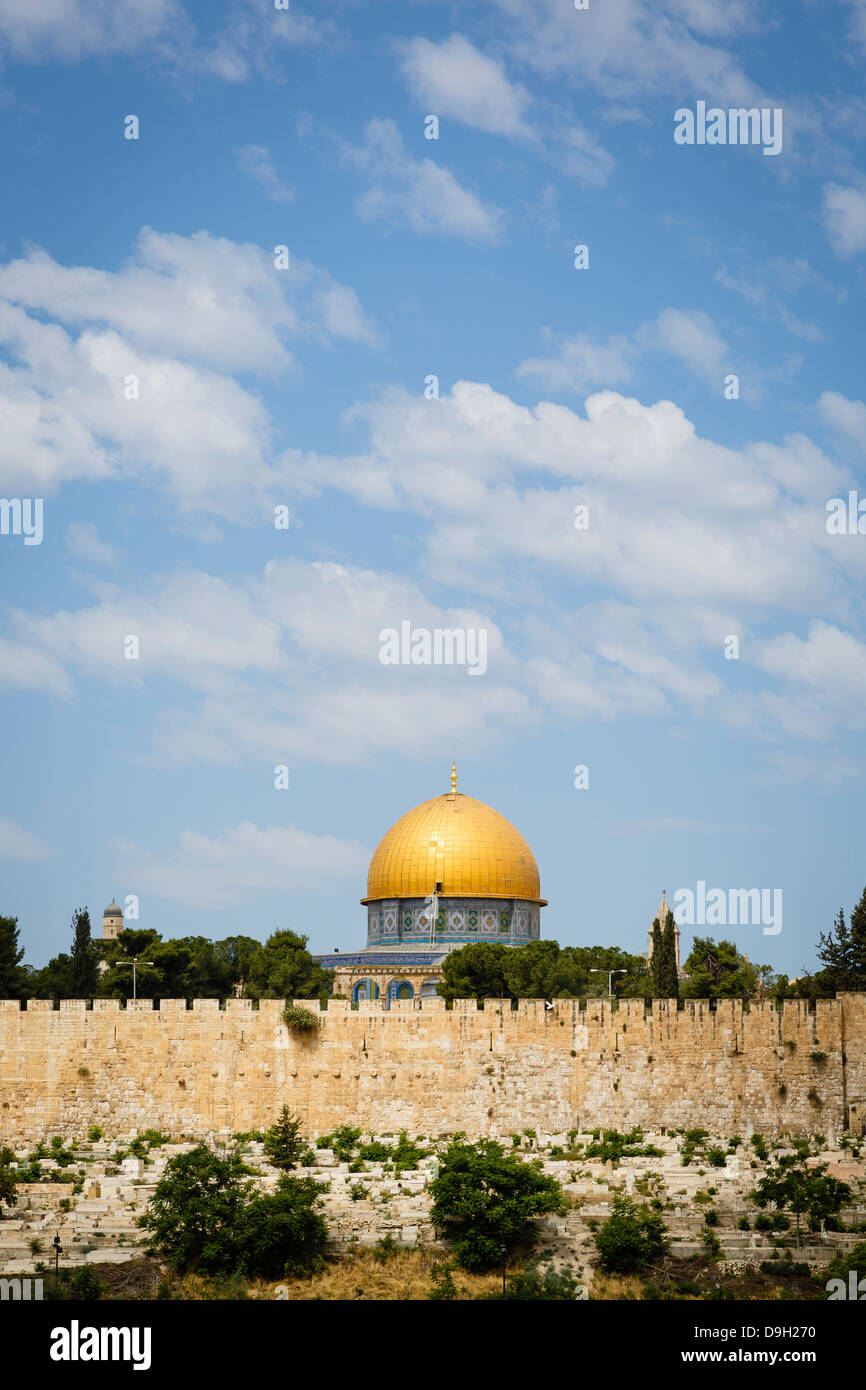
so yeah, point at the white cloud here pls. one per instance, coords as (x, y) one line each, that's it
(198, 297)
(843, 415)
(256, 163)
(231, 868)
(844, 212)
(161, 30)
(72, 29)
(19, 844)
(627, 48)
(83, 541)
(418, 193)
(454, 79)
(287, 666)
(141, 389)
(580, 363)
(690, 336)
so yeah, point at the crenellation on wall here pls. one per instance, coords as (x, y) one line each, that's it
(495, 1069)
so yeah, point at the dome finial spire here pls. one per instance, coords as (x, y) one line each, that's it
(454, 778)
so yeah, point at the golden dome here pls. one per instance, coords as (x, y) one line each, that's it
(469, 848)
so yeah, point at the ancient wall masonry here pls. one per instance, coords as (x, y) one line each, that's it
(206, 1070)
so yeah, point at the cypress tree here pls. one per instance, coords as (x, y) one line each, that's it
(656, 966)
(668, 978)
(84, 972)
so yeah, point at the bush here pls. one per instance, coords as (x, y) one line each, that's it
(283, 1233)
(195, 1213)
(715, 1156)
(9, 1176)
(613, 1145)
(343, 1142)
(772, 1221)
(486, 1198)
(94, 1134)
(843, 1265)
(300, 1020)
(630, 1238)
(205, 1215)
(529, 1285)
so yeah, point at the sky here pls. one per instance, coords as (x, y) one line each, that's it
(283, 292)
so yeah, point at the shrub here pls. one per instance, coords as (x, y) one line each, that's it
(630, 1238)
(613, 1145)
(386, 1248)
(358, 1191)
(486, 1199)
(842, 1265)
(94, 1134)
(772, 1221)
(204, 1215)
(759, 1144)
(715, 1156)
(343, 1141)
(530, 1285)
(711, 1218)
(300, 1020)
(711, 1243)
(282, 1233)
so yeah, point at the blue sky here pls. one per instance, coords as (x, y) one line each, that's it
(257, 387)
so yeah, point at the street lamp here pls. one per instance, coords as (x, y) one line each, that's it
(596, 970)
(503, 1250)
(134, 963)
(58, 1251)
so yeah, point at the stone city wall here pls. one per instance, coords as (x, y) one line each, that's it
(206, 1070)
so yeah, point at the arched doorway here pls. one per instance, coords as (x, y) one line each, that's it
(365, 989)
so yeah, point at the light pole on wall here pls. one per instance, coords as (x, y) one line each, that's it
(610, 974)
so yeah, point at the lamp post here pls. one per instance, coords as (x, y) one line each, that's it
(595, 970)
(58, 1251)
(503, 1250)
(134, 963)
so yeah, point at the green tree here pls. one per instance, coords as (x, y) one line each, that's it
(283, 1232)
(656, 967)
(541, 970)
(475, 972)
(84, 971)
(858, 943)
(284, 969)
(631, 1237)
(666, 983)
(284, 1146)
(806, 1191)
(843, 951)
(717, 970)
(485, 1198)
(52, 981)
(9, 1176)
(13, 977)
(195, 1214)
